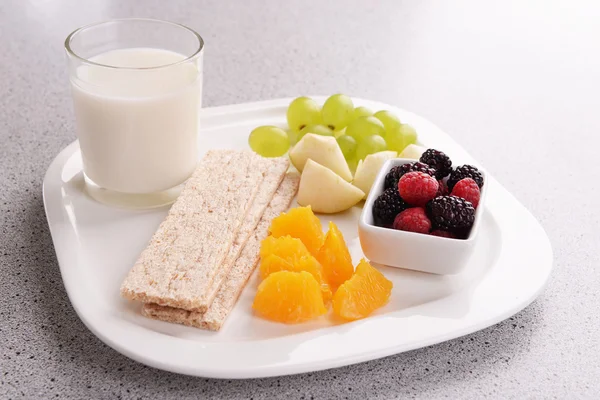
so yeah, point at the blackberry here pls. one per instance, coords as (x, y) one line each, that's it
(387, 206)
(451, 213)
(392, 177)
(439, 161)
(465, 171)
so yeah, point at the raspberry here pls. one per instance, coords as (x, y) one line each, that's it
(387, 206)
(465, 171)
(451, 213)
(441, 233)
(438, 161)
(442, 189)
(417, 188)
(413, 220)
(392, 177)
(467, 189)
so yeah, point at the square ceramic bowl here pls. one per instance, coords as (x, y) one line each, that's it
(416, 251)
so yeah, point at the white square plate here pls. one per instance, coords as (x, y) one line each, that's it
(97, 245)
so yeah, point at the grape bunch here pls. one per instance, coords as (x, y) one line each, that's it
(358, 131)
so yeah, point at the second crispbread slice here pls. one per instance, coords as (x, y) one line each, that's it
(243, 268)
(180, 262)
(277, 168)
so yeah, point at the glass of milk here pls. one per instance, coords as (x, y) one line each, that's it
(137, 91)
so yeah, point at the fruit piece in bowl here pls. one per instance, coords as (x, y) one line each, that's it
(406, 224)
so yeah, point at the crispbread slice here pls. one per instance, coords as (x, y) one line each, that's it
(266, 191)
(179, 264)
(241, 271)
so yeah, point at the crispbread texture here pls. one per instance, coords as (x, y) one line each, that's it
(180, 262)
(277, 168)
(241, 271)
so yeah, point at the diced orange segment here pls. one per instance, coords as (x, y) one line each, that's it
(286, 247)
(274, 263)
(335, 257)
(289, 297)
(299, 223)
(326, 292)
(362, 294)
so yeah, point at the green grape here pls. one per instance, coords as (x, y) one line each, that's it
(348, 146)
(337, 134)
(409, 135)
(301, 112)
(389, 120)
(316, 129)
(352, 164)
(269, 141)
(400, 137)
(370, 145)
(394, 141)
(365, 126)
(360, 112)
(292, 136)
(337, 111)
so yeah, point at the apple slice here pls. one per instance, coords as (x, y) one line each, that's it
(325, 191)
(412, 151)
(323, 150)
(366, 172)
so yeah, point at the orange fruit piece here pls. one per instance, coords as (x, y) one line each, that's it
(274, 263)
(362, 294)
(335, 257)
(286, 247)
(301, 223)
(289, 297)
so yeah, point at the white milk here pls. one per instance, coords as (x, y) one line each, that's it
(137, 128)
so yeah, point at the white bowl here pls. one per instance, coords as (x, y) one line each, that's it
(416, 251)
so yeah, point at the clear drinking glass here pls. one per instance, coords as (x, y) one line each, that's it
(137, 91)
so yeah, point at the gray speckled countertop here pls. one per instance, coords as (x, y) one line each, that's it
(515, 82)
